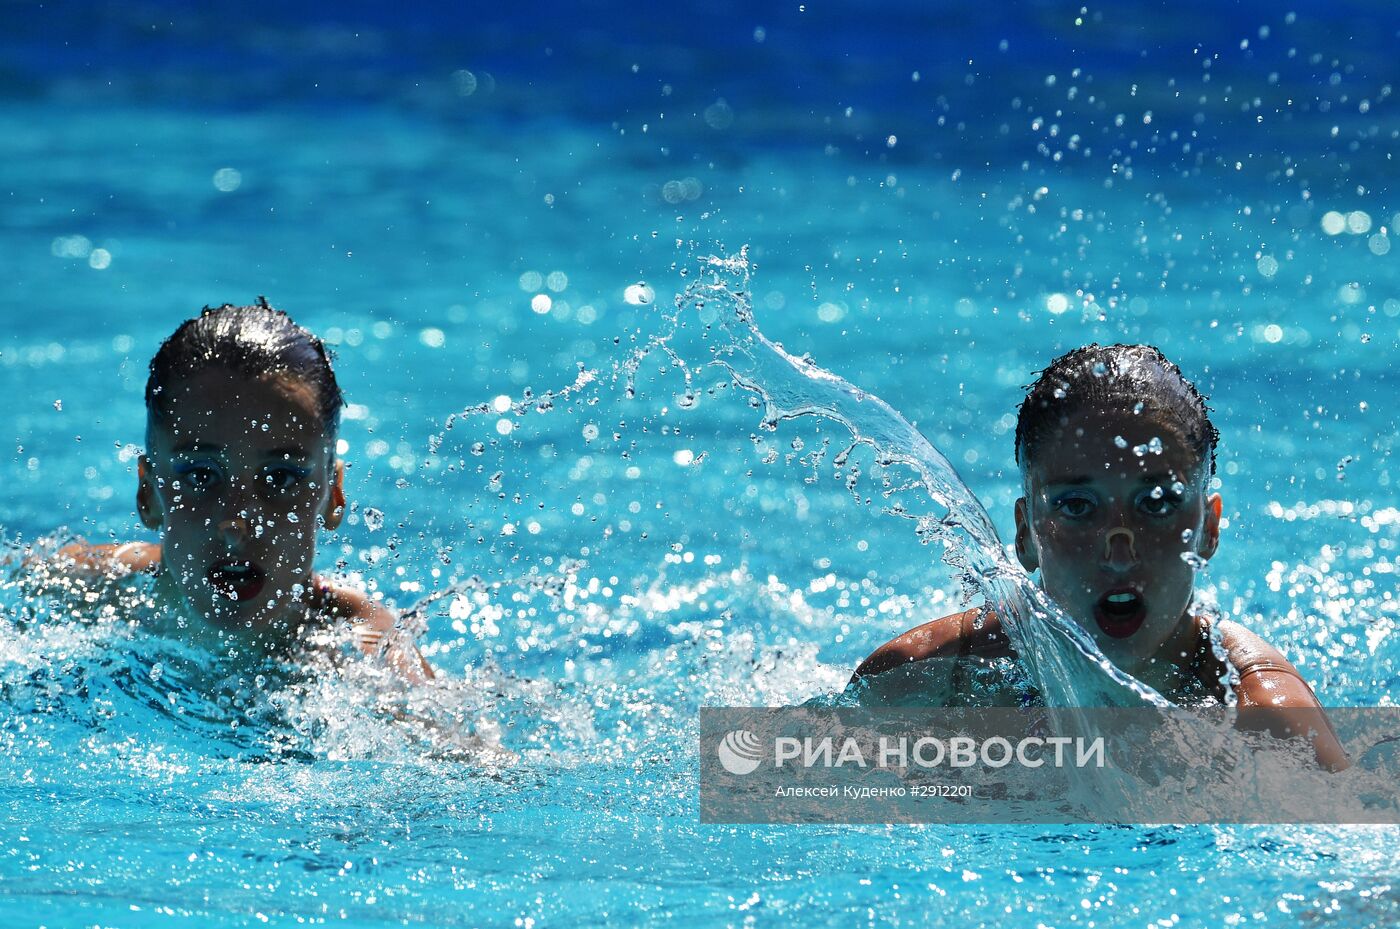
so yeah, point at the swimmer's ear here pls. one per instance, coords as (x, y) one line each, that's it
(335, 501)
(1210, 534)
(1026, 551)
(147, 500)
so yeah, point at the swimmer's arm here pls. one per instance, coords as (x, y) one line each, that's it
(89, 566)
(377, 633)
(1274, 697)
(917, 667)
(128, 558)
(1277, 700)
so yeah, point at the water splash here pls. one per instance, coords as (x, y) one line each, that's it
(1063, 661)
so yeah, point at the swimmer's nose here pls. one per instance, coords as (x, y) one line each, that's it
(1119, 549)
(235, 528)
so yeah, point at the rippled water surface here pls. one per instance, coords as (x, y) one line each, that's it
(475, 208)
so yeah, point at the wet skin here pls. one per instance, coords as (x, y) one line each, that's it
(1107, 528)
(238, 477)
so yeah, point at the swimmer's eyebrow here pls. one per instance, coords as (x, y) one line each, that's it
(292, 451)
(1071, 481)
(193, 448)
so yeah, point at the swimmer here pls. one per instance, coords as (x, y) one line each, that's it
(238, 476)
(1116, 451)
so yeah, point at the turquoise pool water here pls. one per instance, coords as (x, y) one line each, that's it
(475, 206)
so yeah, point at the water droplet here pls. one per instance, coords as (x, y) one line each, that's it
(639, 294)
(374, 519)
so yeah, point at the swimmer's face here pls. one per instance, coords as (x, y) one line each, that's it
(238, 477)
(1107, 519)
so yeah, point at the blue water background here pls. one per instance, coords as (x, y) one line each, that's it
(930, 193)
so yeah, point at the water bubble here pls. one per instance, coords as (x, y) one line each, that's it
(228, 180)
(639, 294)
(58, 406)
(1158, 493)
(1196, 562)
(1187, 535)
(719, 115)
(374, 519)
(433, 338)
(531, 281)
(478, 448)
(1056, 304)
(465, 82)
(100, 259)
(1119, 441)
(1179, 488)
(557, 281)
(1100, 369)
(1379, 244)
(71, 246)
(1358, 222)
(1267, 265)
(1333, 222)
(683, 457)
(590, 432)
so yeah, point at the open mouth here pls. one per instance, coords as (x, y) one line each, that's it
(1120, 613)
(236, 580)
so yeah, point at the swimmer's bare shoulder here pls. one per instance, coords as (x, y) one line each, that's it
(376, 629)
(95, 571)
(907, 666)
(1273, 696)
(83, 559)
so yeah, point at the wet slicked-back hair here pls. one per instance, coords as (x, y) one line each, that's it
(253, 341)
(1112, 378)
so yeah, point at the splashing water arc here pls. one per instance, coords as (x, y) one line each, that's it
(1063, 660)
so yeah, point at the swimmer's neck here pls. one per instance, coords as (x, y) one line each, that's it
(1175, 668)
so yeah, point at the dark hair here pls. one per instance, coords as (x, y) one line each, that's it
(1111, 377)
(250, 340)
